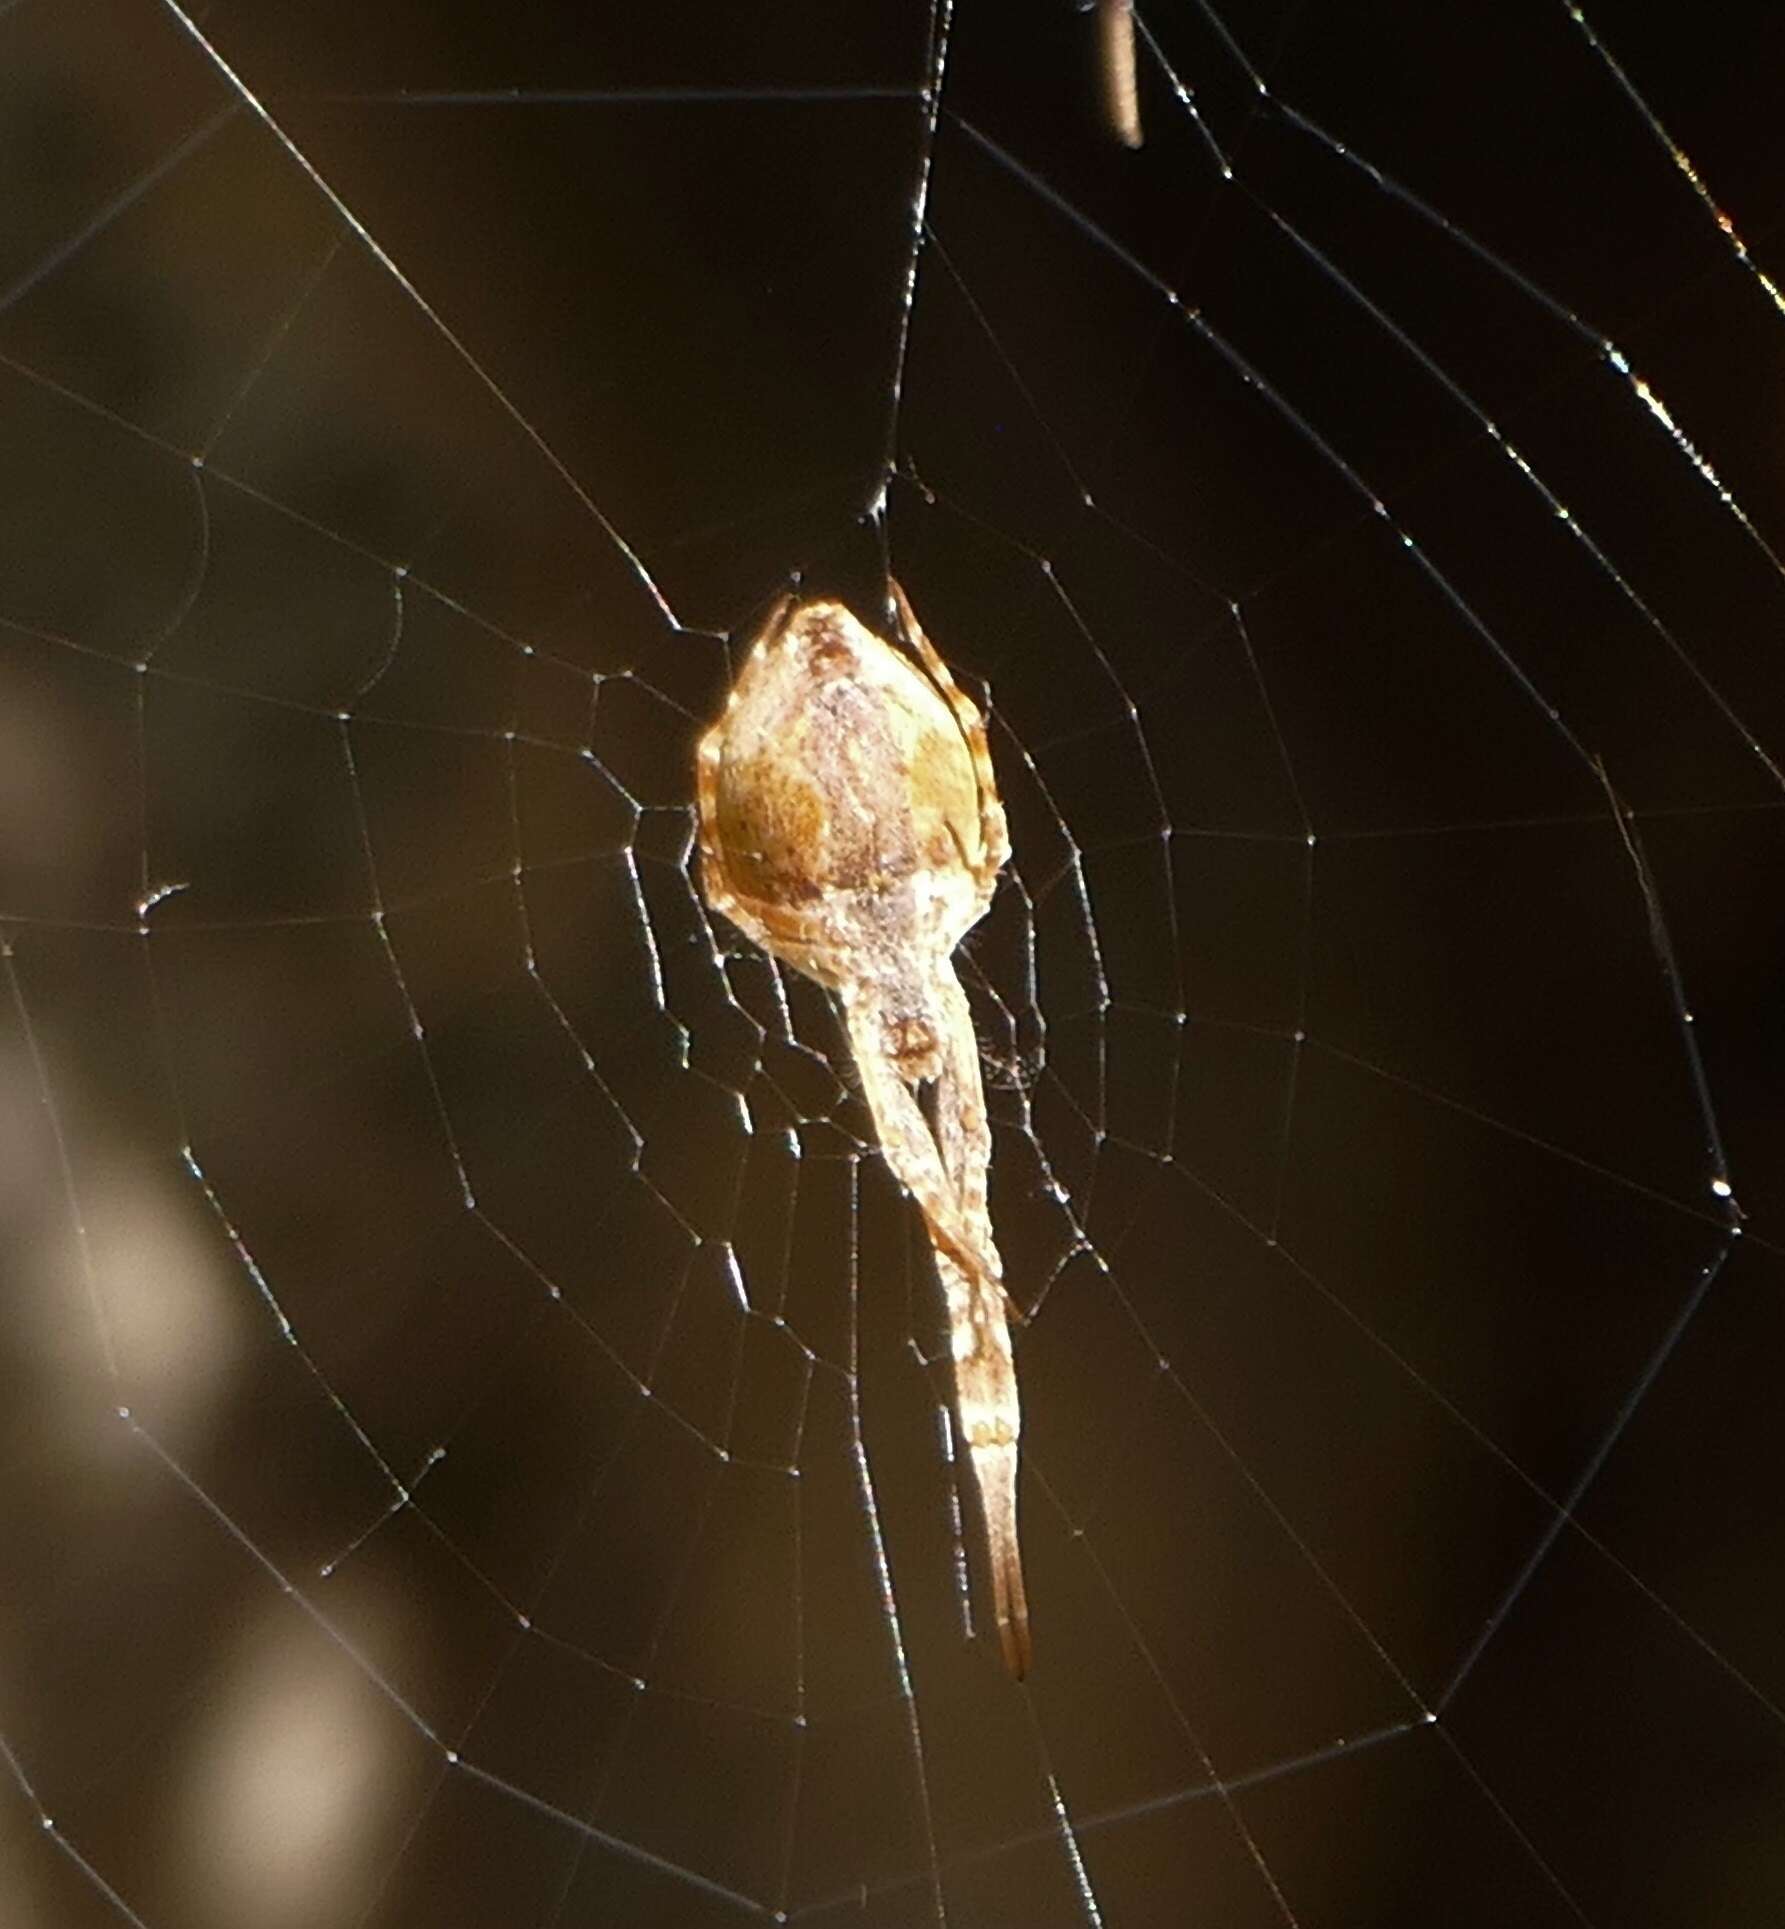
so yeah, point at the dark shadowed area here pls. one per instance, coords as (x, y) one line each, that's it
(474, 1442)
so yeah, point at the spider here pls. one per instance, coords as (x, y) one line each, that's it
(850, 825)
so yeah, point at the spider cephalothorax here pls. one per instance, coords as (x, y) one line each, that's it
(850, 824)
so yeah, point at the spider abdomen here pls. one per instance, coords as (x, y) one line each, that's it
(843, 774)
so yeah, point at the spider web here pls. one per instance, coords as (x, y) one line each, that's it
(477, 1444)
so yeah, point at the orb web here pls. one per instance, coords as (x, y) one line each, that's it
(478, 1405)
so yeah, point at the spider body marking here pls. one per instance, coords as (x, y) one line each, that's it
(850, 824)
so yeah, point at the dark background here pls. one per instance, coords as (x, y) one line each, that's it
(471, 1447)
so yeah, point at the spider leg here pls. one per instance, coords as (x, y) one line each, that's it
(711, 754)
(907, 1146)
(994, 833)
(962, 1129)
(786, 934)
(714, 881)
(769, 630)
(948, 1181)
(985, 1379)
(994, 1469)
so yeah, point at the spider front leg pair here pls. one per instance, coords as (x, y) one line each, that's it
(949, 1184)
(946, 1175)
(850, 824)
